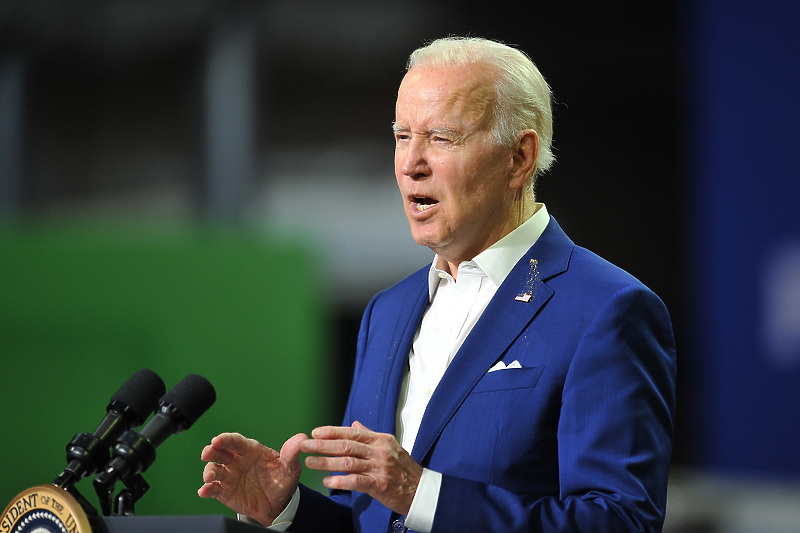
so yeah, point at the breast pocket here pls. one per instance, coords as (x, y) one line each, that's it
(509, 379)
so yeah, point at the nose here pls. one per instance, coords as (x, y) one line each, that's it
(413, 160)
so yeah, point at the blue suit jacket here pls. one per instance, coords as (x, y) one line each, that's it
(579, 439)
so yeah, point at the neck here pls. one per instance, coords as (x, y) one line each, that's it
(523, 208)
(525, 205)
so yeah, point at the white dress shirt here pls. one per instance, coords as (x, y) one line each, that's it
(455, 307)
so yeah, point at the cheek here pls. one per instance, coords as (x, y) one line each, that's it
(397, 167)
(472, 183)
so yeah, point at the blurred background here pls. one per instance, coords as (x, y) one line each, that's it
(207, 186)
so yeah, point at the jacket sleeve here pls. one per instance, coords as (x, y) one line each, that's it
(318, 512)
(614, 434)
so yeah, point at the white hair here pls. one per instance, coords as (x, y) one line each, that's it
(523, 98)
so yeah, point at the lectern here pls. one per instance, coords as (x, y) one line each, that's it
(50, 509)
(173, 524)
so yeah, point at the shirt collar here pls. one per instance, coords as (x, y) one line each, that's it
(499, 259)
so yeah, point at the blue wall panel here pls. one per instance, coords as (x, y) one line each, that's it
(744, 83)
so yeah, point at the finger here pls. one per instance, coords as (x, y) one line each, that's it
(338, 464)
(357, 433)
(240, 446)
(348, 448)
(233, 442)
(222, 456)
(214, 472)
(329, 432)
(363, 433)
(209, 490)
(352, 482)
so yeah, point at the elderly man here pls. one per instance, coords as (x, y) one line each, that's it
(518, 383)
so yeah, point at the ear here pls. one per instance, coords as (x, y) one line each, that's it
(524, 159)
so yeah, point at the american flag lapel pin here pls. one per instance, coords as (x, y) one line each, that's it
(533, 277)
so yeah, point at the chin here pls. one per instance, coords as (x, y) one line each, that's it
(428, 235)
(424, 240)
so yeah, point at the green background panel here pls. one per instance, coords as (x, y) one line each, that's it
(82, 309)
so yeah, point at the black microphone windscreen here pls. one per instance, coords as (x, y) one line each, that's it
(141, 394)
(192, 397)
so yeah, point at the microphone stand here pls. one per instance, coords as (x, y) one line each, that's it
(135, 488)
(125, 501)
(66, 480)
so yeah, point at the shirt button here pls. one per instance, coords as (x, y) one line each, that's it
(428, 392)
(398, 526)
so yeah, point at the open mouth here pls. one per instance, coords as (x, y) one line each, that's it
(421, 203)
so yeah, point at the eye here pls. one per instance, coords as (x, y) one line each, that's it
(445, 136)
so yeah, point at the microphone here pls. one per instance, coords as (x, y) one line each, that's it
(129, 407)
(177, 411)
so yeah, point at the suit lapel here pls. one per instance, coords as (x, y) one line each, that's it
(500, 324)
(409, 318)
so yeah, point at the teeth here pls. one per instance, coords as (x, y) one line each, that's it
(423, 202)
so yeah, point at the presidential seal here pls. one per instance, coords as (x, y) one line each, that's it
(44, 509)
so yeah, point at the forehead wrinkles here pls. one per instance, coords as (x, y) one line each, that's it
(463, 93)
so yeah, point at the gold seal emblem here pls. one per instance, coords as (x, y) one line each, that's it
(44, 509)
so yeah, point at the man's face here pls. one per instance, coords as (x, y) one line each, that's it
(453, 178)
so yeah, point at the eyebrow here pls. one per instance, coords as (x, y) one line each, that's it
(433, 131)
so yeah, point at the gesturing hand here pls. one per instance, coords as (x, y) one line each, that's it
(373, 463)
(250, 478)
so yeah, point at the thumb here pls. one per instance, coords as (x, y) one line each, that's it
(290, 451)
